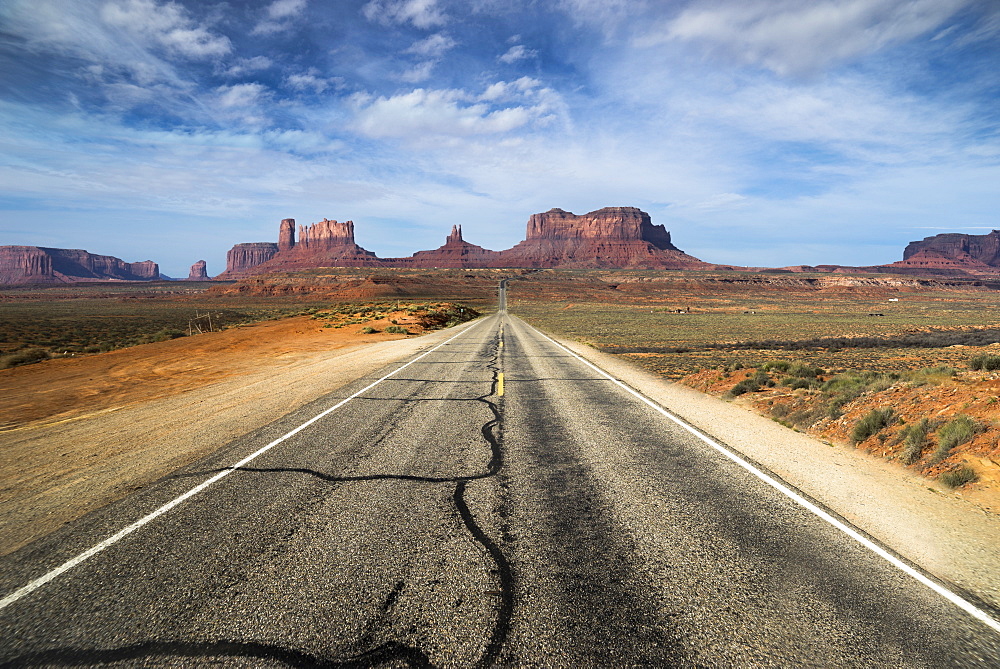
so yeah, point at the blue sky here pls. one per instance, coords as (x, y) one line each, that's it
(760, 132)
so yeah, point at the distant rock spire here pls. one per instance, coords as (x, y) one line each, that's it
(456, 235)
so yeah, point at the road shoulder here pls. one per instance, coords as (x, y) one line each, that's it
(941, 532)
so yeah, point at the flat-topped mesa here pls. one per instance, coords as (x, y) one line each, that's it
(36, 264)
(613, 237)
(982, 248)
(246, 256)
(612, 223)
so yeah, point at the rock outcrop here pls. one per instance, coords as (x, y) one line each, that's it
(324, 244)
(244, 257)
(614, 237)
(619, 237)
(959, 247)
(198, 271)
(456, 252)
(36, 264)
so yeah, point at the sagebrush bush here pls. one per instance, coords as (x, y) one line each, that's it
(986, 363)
(959, 430)
(369, 330)
(958, 477)
(872, 423)
(914, 440)
(397, 329)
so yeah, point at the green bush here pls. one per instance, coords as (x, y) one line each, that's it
(804, 371)
(959, 430)
(25, 356)
(872, 423)
(986, 363)
(369, 330)
(914, 440)
(958, 477)
(397, 329)
(751, 384)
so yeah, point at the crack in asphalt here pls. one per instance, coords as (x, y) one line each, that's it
(387, 652)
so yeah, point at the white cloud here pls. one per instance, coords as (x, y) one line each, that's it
(422, 113)
(421, 13)
(283, 9)
(244, 66)
(796, 37)
(516, 53)
(434, 46)
(311, 81)
(280, 15)
(241, 96)
(168, 24)
(419, 72)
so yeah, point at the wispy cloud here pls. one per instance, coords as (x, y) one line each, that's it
(420, 13)
(167, 24)
(516, 53)
(803, 36)
(279, 17)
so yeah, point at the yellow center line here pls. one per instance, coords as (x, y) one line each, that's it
(500, 385)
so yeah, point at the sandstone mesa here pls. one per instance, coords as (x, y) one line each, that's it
(608, 238)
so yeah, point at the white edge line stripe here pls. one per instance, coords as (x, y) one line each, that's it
(952, 597)
(93, 550)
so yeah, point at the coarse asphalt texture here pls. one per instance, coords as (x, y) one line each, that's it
(494, 502)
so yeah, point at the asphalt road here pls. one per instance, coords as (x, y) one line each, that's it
(495, 502)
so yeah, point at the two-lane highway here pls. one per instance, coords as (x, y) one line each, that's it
(494, 501)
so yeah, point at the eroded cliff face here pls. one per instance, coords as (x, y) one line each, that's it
(323, 244)
(960, 247)
(612, 237)
(610, 223)
(246, 256)
(198, 271)
(36, 264)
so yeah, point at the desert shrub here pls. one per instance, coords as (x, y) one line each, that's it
(795, 383)
(932, 375)
(958, 477)
(914, 440)
(370, 330)
(25, 356)
(776, 366)
(872, 423)
(804, 371)
(959, 430)
(986, 363)
(166, 334)
(397, 329)
(751, 384)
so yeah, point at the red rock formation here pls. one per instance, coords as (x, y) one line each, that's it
(324, 244)
(610, 237)
(960, 247)
(35, 264)
(930, 261)
(244, 257)
(456, 252)
(286, 235)
(198, 272)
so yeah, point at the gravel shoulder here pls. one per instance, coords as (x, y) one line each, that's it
(947, 535)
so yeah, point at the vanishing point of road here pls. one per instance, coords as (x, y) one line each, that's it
(494, 501)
